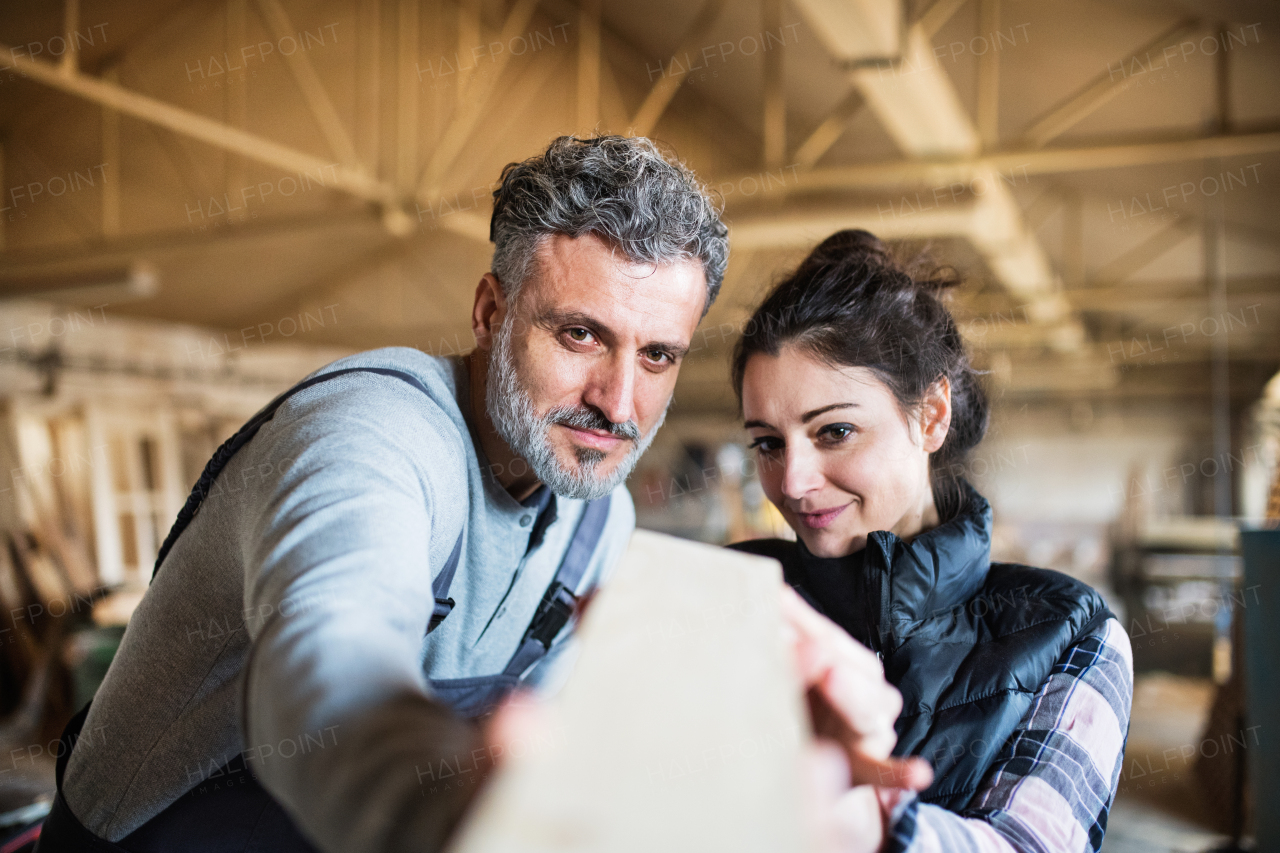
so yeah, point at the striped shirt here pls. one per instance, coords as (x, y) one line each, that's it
(1051, 787)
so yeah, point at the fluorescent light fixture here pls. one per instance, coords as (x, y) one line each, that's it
(114, 284)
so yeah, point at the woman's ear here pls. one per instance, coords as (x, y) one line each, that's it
(935, 414)
(488, 311)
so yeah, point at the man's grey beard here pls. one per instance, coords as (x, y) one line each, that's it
(528, 434)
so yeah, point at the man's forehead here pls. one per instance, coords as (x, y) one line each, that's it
(587, 275)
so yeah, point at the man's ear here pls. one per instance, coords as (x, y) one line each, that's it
(935, 414)
(488, 311)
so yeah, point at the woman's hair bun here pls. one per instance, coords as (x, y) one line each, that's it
(854, 248)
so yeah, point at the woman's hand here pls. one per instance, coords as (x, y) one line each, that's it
(851, 703)
(851, 773)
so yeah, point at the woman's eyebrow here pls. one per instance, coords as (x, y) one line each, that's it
(756, 425)
(810, 415)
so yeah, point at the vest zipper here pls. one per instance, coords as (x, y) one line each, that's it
(880, 594)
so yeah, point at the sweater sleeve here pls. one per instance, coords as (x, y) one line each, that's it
(338, 721)
(1052, 786)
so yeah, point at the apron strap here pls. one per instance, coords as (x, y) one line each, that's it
(440, 587)
(220, 458)
(559, 601)
(229, 447)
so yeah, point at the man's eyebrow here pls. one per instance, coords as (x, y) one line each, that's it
(810, 415)
(674, 350)
(577, 318)
(574, 318)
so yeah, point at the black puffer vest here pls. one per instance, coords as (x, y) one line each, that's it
(968, 642)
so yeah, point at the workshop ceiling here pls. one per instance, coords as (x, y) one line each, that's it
(1102, 172)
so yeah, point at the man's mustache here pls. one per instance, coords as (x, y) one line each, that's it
(582, 417)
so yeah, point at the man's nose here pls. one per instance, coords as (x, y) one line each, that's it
(611, 389)
(801, 472)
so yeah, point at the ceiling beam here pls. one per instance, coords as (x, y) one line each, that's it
(937, 15)
(828, 131)
(621, 64)
(1117, 297)
(472, 104)
(833, 125)
(775, 93)
(87, 254)
(588, 102)
(313, 92)
(917, 104)
(1097, 91)
(660, 95)
(798, 229)
(218, 134)
(942, 171)
(407, 96)
(196, 126)
(988, 112)
(1137, 257)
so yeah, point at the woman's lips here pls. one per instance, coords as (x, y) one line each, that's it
(597, 439)
(821, 518)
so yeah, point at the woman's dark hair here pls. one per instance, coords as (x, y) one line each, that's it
(850, 303)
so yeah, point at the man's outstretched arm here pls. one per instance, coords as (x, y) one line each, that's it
(338, 722)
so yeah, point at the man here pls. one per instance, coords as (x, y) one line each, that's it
(274, 690)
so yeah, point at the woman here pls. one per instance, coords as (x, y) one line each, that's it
(1016, 682)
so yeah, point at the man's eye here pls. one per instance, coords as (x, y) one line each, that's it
(657, 355)
(579, 335)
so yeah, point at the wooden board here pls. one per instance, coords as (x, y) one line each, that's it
(680, 728)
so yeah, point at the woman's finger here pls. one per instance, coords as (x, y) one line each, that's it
(913, 774)
(820, 644)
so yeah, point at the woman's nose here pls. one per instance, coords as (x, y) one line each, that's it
(802, 473)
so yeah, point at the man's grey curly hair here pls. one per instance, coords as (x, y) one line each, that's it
(649, 206)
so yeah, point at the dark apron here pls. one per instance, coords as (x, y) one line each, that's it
(230, 812)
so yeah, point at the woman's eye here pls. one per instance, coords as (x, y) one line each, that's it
(765, 445)
(837, 432)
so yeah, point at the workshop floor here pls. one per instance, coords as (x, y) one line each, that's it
(1162, 811)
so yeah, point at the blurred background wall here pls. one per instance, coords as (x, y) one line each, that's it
(203, 200)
